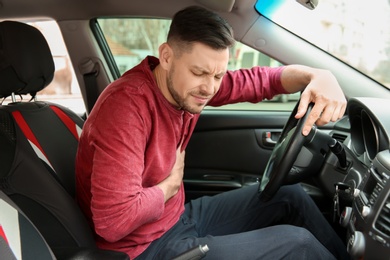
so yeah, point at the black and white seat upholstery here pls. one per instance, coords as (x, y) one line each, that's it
(38, 144)
(19, 239)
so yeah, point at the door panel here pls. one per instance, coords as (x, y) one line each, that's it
(230, 149)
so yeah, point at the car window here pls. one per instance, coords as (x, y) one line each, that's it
(131, 39)
(354, 31)
(64, 88)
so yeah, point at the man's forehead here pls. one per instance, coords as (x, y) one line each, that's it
(207, 59)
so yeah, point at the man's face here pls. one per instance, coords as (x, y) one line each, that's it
(195, 77)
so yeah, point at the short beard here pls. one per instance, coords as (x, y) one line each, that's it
(181, 102)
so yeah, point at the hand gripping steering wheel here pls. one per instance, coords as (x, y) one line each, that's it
(283, 155)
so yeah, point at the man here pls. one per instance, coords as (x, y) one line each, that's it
(130, 161)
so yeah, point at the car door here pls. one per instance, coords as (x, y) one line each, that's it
(230, 149)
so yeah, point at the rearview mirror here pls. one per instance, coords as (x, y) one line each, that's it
(310, 4)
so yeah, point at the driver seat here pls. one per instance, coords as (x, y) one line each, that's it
(38, 144)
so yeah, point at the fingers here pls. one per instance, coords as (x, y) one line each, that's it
(328, 98)
(322, 112)
(180, 157)
(303, 105)
(302, 109)
(333, 111)
(314, 115)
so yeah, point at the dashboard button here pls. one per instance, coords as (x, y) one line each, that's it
(356, 193)
(366, 211)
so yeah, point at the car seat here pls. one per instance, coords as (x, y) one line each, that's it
(38, 144)
(19, 239)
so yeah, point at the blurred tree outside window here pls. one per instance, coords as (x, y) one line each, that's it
(132, 39)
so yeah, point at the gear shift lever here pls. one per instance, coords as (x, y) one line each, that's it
(337, 148)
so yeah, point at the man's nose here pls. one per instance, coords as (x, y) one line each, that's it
(208, 86)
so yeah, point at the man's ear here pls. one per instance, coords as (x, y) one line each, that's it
(165, 55)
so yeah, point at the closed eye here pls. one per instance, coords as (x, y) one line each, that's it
(219, 75)
(198, 74)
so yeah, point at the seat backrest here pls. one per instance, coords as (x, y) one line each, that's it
(19, 238)
(38, 141)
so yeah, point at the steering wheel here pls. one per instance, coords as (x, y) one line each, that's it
(284, 154)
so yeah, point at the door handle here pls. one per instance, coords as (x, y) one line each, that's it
(267, 139)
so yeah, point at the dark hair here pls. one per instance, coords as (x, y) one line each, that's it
(197, 24)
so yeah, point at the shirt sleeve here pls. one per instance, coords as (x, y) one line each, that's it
(249, 85)
(120, 204)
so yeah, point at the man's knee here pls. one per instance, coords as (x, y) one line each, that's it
(306, 246)
(294, 195)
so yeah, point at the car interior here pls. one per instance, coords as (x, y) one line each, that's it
(344, 166)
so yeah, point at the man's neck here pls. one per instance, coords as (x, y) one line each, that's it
(161, 79)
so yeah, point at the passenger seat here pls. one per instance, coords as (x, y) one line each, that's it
(19, 239)
(38, 144)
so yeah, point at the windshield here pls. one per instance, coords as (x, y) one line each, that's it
(355, 31)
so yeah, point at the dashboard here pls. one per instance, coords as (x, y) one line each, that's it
(365, 193)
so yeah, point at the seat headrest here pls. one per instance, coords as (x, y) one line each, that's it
(26, 62)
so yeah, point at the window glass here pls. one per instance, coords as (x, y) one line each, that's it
(64, 88)
(130, 40)
(354, 31)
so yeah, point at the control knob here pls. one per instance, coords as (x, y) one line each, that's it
(356, 192)
(365, 211)
(356, 245)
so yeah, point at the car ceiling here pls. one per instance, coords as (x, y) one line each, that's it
(249, 27)
(63, 10)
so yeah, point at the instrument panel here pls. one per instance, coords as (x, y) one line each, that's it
(367, 213)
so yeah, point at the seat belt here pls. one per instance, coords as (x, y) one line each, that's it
(90, 83)
(90, 73)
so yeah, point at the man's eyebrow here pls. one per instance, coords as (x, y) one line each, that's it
(204, 71)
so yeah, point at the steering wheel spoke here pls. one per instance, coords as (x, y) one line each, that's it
(283, 156)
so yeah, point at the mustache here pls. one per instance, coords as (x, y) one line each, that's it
(202, 94)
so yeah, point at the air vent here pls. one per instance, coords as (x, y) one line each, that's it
(374, 195)
(339, 137)
(383, 221)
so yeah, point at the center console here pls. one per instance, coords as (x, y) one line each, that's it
(368, 218)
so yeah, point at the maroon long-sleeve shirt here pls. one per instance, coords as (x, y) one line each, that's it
(128, 145)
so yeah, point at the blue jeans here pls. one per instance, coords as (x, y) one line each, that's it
(237, 225)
